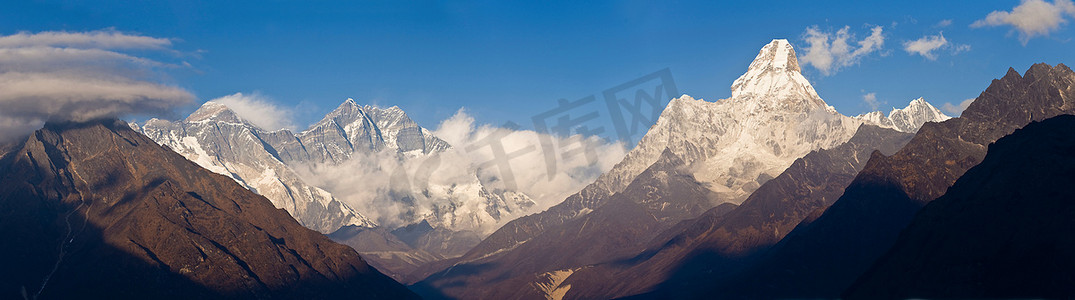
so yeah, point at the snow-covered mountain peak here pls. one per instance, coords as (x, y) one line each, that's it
(214, 111)
(920, 108)
(733, 145)
(778, 54)
(352, 126)
(774, 77)
(907, 119)
(349, 112)
(347, 108)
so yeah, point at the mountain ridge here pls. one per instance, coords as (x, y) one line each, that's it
(736, 169)
(998, 231)
(731, 147)
(76, 193)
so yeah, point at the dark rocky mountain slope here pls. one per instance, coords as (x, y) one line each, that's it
(97, 210)
(659, 198)
(1004, 229)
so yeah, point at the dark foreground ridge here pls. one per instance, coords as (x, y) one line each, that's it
(1003, 230)
(96, 210)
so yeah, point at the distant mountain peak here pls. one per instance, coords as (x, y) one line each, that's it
(214, 111)
(775, 75)
(351, 105)
(907, 119)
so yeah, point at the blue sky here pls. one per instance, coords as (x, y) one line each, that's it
(509, 61)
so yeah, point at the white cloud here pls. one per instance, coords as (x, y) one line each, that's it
(944, 23)
(374, 184)
(259, 111)
(960, 48)
(530, 170)
(831, 51)
(12, 128)
(1031, 18)
(80, 76)
(956, 110)
(100, 39)
(926, 45)
(871, 100)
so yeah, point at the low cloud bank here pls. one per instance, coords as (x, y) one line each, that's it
(81, 76)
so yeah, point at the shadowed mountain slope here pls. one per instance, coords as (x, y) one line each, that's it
(1002, 230)
(98, 210)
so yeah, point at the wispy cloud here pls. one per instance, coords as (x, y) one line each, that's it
(870, 99)
(100, 39)
(81, 76)
(960, 48)
(927, 46)
(830, 51)
(956, 109)
(1031, 18)
(259, 110)
(944, 23)
(529, 170)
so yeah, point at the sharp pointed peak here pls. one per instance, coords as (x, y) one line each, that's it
(346, 107)
(906, 119)
(775, 74)
(1012, 74)
(778, 54)
(214, 111)
(919, 103)
(1044, 70)
(350, 103)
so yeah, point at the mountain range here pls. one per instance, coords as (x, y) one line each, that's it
(768, 194)
(352, 141)
(723, 150)
(773, 117)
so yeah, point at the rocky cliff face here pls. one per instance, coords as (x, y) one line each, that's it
(98, 210)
